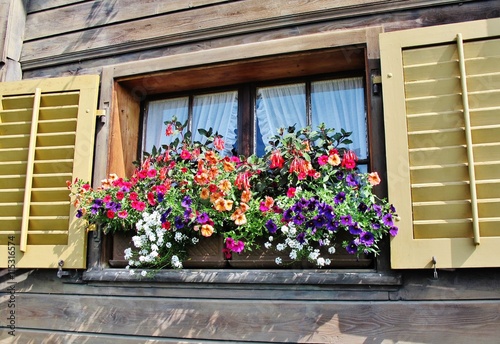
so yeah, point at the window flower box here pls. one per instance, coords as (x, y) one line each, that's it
(301, 201)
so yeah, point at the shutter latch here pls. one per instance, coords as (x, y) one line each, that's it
(60, 272)
(434, 263)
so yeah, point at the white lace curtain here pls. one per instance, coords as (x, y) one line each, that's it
(216, 110)
(338, 103)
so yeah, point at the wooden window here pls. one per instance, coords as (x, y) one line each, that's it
(46, 138)
(339, 103)
(441, 94)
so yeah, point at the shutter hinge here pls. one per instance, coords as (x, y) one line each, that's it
(376, 81)
(102, 115)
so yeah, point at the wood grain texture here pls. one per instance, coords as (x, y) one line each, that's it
(37, 5)
(199, 24)
(84, 15)
(264, 320)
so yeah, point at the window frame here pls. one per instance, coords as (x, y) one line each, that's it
(124, 85)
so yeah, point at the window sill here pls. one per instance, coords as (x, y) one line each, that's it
(245, 276)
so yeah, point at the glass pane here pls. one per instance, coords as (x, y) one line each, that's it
(159, 112)
(340, 104)
(279, 107)
(218, 111)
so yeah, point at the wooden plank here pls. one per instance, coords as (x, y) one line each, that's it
(231, 19)
(12, 26)
(53, 337)
(124, 132)
(88, 14)
(263, 320)
(34, 5)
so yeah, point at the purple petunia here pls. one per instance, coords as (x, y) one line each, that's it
(367, 239)
(340, 197)
(186, 202)
(301, 237)
(271, 226)
(203, 218)
(346, 220)
(352, 248)
(351, 180)
(393, 231)
(355, 230)
(387, 220)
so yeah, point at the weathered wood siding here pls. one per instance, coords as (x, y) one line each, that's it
(70, 37)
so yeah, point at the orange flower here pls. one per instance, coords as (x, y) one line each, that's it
(243, 180)
(269, 202)
(244, 207)
(211, 157)
(246, 195)
(277, 160)
(205, 193)
(225, 185)
(374, 178)
(307, 146)
(201, 178)
(223, 205)
(239, 217)
(228, 166)
(334, 159)
(207, 230)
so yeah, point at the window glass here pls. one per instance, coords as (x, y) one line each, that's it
(218, 111)
(340, 104)
(160, 111)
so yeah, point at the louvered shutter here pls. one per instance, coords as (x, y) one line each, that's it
(47, 131)
(441, 89)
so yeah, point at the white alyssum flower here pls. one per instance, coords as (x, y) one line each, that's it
(293, 254)
(314, 255)
(280, 247)
(267, 245)
(331, 249)
(278, 260)
(143, 273)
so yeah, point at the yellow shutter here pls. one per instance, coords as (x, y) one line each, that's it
(47, 131)
(441, 89)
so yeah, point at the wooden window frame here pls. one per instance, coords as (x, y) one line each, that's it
(125, 86)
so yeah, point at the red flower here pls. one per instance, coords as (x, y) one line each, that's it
(291, 192)
(110, 214)
(277, 160)
(120, 195)
(133, 196)
(170, 129)
(349, 160)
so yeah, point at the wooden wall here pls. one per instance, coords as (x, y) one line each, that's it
(69, 37)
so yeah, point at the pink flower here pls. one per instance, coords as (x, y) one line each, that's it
(237, 247)
(323, 160)
(138, 205)
(151, 173)
(185, 155)
(123, 214)
(219, 143)
(291, 192)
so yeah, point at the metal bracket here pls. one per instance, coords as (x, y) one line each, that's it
(434, 263)
(102, 115)
(60, 272)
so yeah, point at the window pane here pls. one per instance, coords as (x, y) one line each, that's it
(278, 107)
(340, 104)
(158, 112)
(218, 111)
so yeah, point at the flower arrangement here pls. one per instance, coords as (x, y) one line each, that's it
(297, 199)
